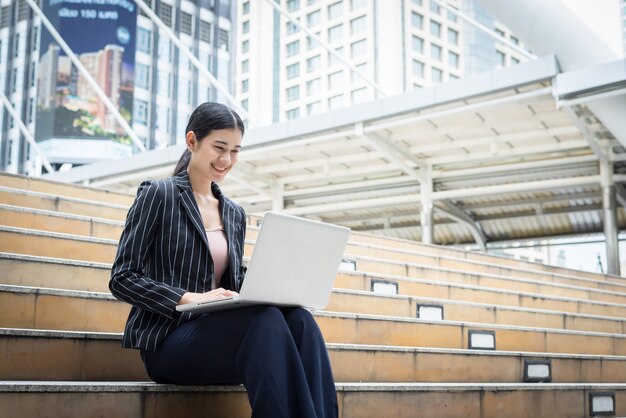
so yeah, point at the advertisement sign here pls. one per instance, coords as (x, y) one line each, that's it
(102, 34)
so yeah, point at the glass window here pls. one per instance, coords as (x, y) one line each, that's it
(293, 70)
(165, 51)
(246, 8)
(34, 39)
(435, 52)
(313, 86)
(359, 48)
(291, 28)
(140, 113)
(293, 93)
(453, 37)
(335, 10)
(165, 13)
(245, 46)
(359, 95)
(362, 68)
(514, 60)
(435, 28)
(244, 86)
(500, 33)
(333, 60)
(452, 16)
(313, 18)
(358, 25)
(418, 45)
(313, 108)
(335, 101)
(514, 40)
(293, 5)
(335, 80)
(335, 33)
(416, 20)
(185, 23)
(314, 63)
(310, 43)
(453, 59)
(437, 75)
(501, 58)
(142, 76)
(143, 40)
(245, 26)
(245, 66)
(417, 2)
(244, 104)
(293, 113)
(293, 48)
(223, 40)
(205, 31)
(434, 7)
(357, 4)
(418, 69)
(164, 83)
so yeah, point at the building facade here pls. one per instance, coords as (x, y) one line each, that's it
(164, 86)
(402, 45)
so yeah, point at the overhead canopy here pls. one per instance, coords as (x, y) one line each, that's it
(512, 154)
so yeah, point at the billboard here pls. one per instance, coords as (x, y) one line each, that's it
(102, 35)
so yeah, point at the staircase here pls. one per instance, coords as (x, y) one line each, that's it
(412, 330)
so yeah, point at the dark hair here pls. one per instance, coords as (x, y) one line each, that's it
(205, 118)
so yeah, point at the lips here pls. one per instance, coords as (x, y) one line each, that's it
(219, 170)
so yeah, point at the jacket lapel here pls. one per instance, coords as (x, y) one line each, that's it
(188, 202)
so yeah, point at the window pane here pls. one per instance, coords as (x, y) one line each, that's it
(359, 49)
(313, 63)
(416, 20)
(435, 52)
(357, 4)
(435, 28)
(293, 113)
(293, 5)
(293, 70)
(453, 59)
(335, 33)
(453, 37)
(418, 69)
(313, 19)
(313, 86)
(437, 75)
(335, 10)
(335, 80)
(418, 45)
(293, 48)
(501, 58)
(293, 93)
(358, 25)
(205, 31)
(313, 108)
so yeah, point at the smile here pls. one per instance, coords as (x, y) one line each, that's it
(221, 170)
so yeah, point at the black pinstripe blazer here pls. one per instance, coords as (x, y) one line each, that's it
(163, 252)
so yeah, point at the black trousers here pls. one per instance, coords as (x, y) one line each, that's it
(278, 354)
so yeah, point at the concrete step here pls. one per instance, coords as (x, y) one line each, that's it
(42, 308)
(376, 240)
(75, 356)
(50, 221)
(71, 205)
(57, 245)
(349, 328)
(25, 270)
(64, 189)
(363, 400)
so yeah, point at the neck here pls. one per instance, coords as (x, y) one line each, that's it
(200, 184)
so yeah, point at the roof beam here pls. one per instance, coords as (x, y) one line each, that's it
(573, 116)
(453, 212)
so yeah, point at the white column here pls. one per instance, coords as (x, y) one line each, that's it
(610, 218)
(426, 219)
(278, 197)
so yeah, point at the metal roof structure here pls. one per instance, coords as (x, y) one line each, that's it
(504, 155)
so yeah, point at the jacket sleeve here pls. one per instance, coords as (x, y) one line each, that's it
(128, 280)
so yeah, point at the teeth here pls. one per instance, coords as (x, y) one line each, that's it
(218, 169)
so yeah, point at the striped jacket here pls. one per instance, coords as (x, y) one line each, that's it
(163, 252)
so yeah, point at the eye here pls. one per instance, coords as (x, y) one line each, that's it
(219, 148)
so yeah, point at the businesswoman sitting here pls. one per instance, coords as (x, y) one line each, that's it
(183, 242)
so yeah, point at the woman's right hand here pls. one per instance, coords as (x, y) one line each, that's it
(215, 294)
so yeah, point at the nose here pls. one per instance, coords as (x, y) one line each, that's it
(225, 157)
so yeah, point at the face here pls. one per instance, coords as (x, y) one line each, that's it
(215, 155)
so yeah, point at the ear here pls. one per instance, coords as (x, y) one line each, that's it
(190, 140)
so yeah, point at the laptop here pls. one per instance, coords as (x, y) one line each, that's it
(294, 263)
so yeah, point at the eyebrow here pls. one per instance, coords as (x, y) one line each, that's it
(226, 143)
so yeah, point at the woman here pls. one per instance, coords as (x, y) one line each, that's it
(183, 242)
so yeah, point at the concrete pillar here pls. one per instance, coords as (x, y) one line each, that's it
(278, 197)
(426, 219)
(609, 210)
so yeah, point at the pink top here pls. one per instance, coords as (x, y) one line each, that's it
(219, 252)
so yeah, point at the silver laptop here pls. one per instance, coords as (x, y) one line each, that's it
(294, 263)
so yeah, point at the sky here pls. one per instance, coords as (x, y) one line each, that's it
(603, 16)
